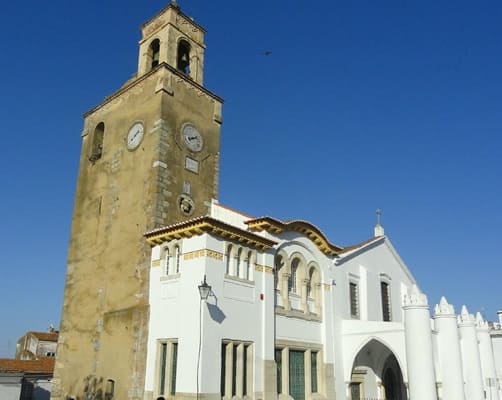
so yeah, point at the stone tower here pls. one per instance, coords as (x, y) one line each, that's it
(150, 156)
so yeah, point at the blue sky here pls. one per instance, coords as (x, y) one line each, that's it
(362, 104)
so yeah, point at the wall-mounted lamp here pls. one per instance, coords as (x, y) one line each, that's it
(204, 289)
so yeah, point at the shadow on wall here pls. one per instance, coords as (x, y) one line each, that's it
(216, 313)
(39, 393)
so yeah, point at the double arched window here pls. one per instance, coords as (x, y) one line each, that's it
(297, 283)
(171, 260)
(239, 262)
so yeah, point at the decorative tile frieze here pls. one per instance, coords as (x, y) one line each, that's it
(264, 268)
(203, 253)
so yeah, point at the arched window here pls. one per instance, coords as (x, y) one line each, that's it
(279, 262)
(177, 257)
(245, 270)
(183, 60)
(248, 272)
(229, 259)
(292, 281)
(154, 52)
(238, 263)
(97, 142)
(109, 389)
(166, 261)
(310, 282)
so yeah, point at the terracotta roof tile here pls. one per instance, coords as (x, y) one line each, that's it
(46, 336)
(45, 364)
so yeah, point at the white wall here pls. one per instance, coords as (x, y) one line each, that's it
(234, 311)
(10, 386)
(244, 310)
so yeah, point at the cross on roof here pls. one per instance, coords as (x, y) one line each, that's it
(379, 216)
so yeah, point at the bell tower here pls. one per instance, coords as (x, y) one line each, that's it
(182, 44)
(149, 158)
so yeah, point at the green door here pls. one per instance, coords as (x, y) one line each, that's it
(297, 375)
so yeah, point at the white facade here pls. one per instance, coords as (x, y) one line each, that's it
(10, 386)
(292, 316)
(19, 385)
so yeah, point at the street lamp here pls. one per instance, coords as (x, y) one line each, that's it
(204, 289)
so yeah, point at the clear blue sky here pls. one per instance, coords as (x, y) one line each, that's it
(362, 104)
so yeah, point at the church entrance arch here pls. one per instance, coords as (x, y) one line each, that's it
(376, 374)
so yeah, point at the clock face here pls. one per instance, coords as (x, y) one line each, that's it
(135, 135)
(192, 138)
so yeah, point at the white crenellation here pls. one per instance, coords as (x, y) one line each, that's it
(449, 354)
(419, 353)
(443, 308)
(471, 363)
(415, 298)
(487, 358)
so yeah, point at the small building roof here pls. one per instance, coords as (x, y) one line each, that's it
(45, 336)
(200, 225)
(276, 226)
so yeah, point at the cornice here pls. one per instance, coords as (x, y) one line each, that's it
(275, 226)
(140, 79)
(179, 12)
(201, 225)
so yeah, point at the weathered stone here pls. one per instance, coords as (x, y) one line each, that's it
(119, 197)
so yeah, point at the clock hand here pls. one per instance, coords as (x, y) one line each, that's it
(131, 140)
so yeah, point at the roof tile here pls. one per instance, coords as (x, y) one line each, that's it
(45, 364)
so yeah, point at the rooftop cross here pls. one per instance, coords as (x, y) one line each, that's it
(379, 216)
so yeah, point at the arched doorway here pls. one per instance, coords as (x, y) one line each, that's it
(376, 374)
(393, 380)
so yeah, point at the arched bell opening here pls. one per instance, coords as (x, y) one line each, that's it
(154, 53)
(183, 58)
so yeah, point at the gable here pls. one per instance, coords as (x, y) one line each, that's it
(379, 257)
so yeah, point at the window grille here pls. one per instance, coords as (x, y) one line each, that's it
(278, 362)
(313, 371)
(163, 362)
(297, 374)
(386, 310)
(354, 300)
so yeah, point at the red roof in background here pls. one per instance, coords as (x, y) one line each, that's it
(45, 364)
(45, 336)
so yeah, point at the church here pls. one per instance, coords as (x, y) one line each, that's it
(171, 295)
